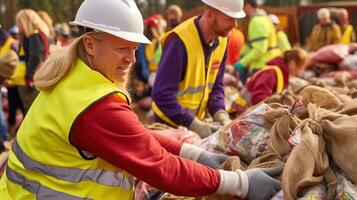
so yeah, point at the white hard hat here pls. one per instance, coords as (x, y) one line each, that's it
(232, 8)
(274, 19)
(120, 18)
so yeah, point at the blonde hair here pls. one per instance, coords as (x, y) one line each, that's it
(176, 10)
(45, 17)
(29, 20)
(297, 54)
(62, 60)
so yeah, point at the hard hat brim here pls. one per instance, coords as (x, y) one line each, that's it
(236, 15)
(129, 36)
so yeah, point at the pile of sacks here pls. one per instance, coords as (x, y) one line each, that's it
(312, 134)
(314, 140)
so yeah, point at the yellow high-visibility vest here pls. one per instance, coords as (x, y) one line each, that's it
(194, 89)
(44, 165)
(347, 35)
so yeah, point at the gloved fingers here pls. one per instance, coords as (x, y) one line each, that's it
(221, 158)
(213, 127)
(276, 184)
(274, 171)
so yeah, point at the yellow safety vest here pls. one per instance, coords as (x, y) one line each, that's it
(153, 53)
(244, 99)
(18, 78)
(7, 46)
(347, 35)
(261, 29)
(194, 89)
(44, 165)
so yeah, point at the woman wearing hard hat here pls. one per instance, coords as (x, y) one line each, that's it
(81, 140)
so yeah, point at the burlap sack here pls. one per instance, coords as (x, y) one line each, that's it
(350, 108)
(317, 82)
(308, 163)
(297, 84)
(344, 98)
(284, 122)
(353, 84)
(320, 96)
(285, 98)
(342, 78)
(341, 140)
(338, 90)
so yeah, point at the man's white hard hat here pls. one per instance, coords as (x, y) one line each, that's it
(120, 18)
(232, 8)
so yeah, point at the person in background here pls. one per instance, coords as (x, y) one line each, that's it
(34, 47)
(48, 20)
(173, 16)
(81, 139)
(14, 32)
(12, 85)
(262, 41)
(189, 79)
(283, 40)
(148, 58)
(273, 78)
(63, 34)
(235, 45)
(348, 33)
(325, 32)
(155, 30)
(8, 62)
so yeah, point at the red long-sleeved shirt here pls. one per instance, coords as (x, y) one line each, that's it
(264, 84)
(110, 130)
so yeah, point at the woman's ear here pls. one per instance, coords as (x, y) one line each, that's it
(89, 45)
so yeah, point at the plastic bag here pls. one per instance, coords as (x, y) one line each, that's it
(246, 137)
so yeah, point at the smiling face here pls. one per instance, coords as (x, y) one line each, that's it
(111, 56)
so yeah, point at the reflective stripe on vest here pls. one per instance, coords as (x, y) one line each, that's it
(72, 174)
(279, 77)
(41, 191)
(193, 91)
(262, 34)
(244, 99)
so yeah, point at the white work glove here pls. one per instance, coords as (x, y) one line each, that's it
(253, 184)
(203, 129)
(202, 156)
(222, 117)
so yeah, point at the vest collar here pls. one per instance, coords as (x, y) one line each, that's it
(212, 45)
